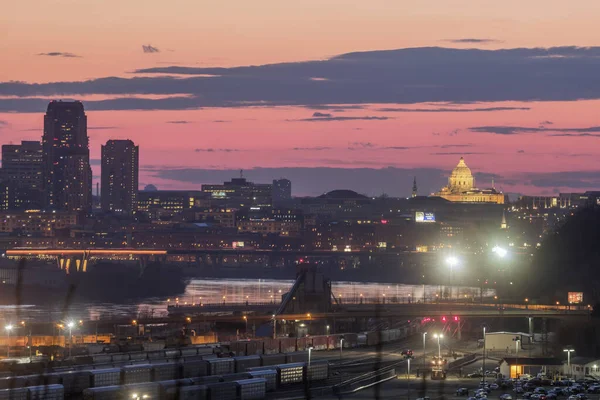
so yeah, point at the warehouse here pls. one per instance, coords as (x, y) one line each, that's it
(506, 342)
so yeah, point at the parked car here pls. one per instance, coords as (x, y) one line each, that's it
(539, 390)
(474, 375)
(527, 395)
(462, 392)
(505, 396)
(494, 386)
(519, 390)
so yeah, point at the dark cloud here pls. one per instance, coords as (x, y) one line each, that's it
(179, 122)
(335, 107)
(59, 54)
(321, 115)
(575, 134)
(443, 109)
(317, 148)
(520, 151)
(455, 145)
(147, 48)
(513, 130)
(332, 118)
(95, 161)
(472, 41)
(546, 123)
(361, 145)
(405, 76)
(212, 150)
(221, 120)
(458, 153)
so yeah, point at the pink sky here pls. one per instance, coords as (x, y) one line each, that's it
(107, 37)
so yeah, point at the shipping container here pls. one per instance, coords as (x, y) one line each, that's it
(105, 377)
(14, 394)
(75, 382)
(166, 371)
(290, 373)
(137, 373)
(204, 350)
(196, 392)
(47, 392)
(297, 356)
(154, 346)
(83, 360)
(238, 348)
(235, 377)
(222, 391)
(120, 357)
(317, 370)
(252, 389)
(41, 380)
(254, 348)
(211, 356)
(192, 369)
(148, 390)
(270, 346)
(241, 363)
(156, 355)
(269, 375)
(220, 366)
(272, 359)
(362, 339)
(102, 393)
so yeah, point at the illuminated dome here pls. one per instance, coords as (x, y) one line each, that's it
(461, 179)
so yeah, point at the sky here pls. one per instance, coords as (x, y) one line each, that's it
(331, 94)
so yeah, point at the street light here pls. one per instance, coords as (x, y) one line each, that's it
(309, 354)
(439, 337)
(483, 377)
(569, 351)
(341, 347)
(327, 330)
(424, 334)
(8, 328)
(70, 325)
(246, 321)
(500, 252)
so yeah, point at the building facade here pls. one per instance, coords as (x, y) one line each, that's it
(23, 171)
(120, 172)
(282, 190)
(66, 155)
(461, 188)
(239, 193)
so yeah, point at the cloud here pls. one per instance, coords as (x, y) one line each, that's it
(59, 54)
(317, 148)
(147, 48)
(458, 110)
(212, 150)
(403, 76)
(335, 107)
(221, 121)
(179, 122)
(458, 153)
(361, 145)
(472, 40)
(546, 123)
(453, 145)
(321, 115)
(513, 130)
(3, 123)
(332, 118)
(520, 151)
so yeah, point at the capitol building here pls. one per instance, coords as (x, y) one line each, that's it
(461, 188)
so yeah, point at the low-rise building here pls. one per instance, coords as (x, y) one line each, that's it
(39, 223)
(514, 367)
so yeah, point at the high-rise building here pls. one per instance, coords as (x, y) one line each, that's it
(68, 176)
(120, 171)
(239, 193)
(23, 170)
(282, 190)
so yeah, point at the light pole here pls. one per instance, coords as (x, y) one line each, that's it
(246, 321)
(439, 337)
(70, 325)
(423, 362)
(327, 330)
(309, 354)
(569, 351)
(408, 380)
(341, 348)
(8, 328)
(274, 327)
(502, 253)
(452, 262)
(483, 377)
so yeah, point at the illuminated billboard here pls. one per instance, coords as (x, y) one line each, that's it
(421, 216)
(575, 297)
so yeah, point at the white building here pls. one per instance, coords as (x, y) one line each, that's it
(582, 367)
(506, 342)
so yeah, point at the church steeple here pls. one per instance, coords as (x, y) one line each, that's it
(414, 188)
(503, 224)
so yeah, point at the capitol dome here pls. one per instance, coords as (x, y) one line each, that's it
(461, 179)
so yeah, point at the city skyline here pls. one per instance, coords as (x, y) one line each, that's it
(299, 119)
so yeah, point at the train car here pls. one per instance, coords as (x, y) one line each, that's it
(148, 390)
(189, 352)
(102, 393)
(297, 356)
(270, 377)
(222, 391)
(13, 382)
(195, 368)
(173, 353)
(220, 366)
(119, 357)
(252, 389)
(195, 392)
(166, 371)
(136, 373)
(14, 394)
(272, 359)
(244, 362)
(156, 355)
(46, 392)
(235, 377)
(105, 377)
(138, 355)
(102, 358)
(288, 374)
(317, 370)
(75, 382)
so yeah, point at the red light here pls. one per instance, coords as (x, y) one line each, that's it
(384, 221)
(455, 318)
(443, 319)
